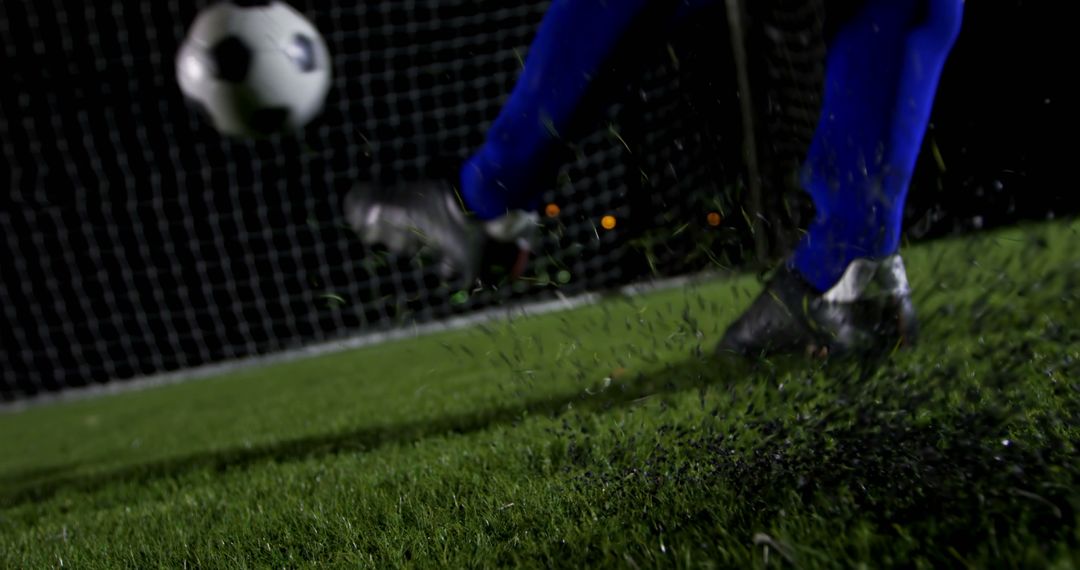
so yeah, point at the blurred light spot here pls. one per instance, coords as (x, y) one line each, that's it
(552, 210)
(193, 68)
(714, 219)
(607, 222)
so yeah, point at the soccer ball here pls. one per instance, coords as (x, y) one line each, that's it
(255, 68)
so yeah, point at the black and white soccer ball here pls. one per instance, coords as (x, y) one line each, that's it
(255, 68)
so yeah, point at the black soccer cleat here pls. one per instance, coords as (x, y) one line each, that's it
(869, 310)
(408, 218)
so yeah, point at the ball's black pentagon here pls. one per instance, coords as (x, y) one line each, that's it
(269, 120)
(302, 51)
(232, 59)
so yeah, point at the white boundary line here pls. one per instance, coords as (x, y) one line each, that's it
(497, 313)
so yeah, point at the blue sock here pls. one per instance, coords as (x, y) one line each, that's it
(880, 78)
(575, 38)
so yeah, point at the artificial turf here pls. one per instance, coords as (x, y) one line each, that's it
(603, 436)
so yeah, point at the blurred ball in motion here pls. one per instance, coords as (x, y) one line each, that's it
(254, 68)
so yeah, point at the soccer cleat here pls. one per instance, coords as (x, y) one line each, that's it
(408, 218)
(868, 310)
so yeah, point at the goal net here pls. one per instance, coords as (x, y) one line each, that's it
(135, 240)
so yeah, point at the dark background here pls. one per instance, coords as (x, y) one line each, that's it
(136, 241)
(1001, 124)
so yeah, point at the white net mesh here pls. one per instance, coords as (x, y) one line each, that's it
(135, 240)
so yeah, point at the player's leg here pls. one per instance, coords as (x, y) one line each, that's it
(575, 39)
(881, 75)
(573, 42)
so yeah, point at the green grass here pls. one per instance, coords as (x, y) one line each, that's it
(505, 444)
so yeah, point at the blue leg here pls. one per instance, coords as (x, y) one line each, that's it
(881, 75)
(575, 38)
